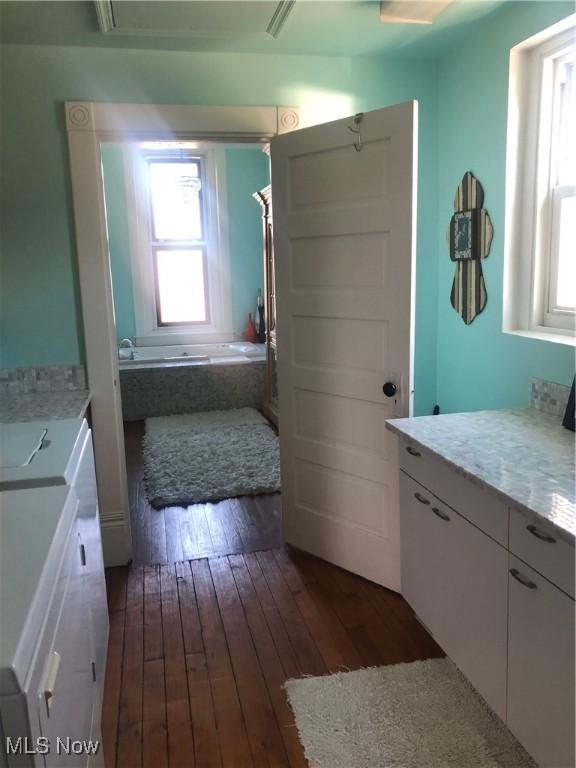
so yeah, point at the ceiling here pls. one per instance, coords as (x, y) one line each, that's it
(313, 27)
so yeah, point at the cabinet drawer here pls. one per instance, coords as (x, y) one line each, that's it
(541, 667)
(65, 690)
(455, 577)
(535, 542)
(472, 502)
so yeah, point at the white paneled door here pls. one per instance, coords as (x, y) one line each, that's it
(344, 239)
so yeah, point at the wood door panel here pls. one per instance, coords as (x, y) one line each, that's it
(316, 178)
(370, 466)
(369, 306)
(367, 386)
(344, 244)
(330, 341)
(344, 421)
(350, 547)
(353, 261)
(345, 497)
(365, 217)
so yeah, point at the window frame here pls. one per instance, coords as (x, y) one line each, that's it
(554, 313)
(150, 330)
(530, 234)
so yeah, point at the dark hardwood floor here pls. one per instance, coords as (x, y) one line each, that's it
(210, 621)
(199, 651)
(233, 526)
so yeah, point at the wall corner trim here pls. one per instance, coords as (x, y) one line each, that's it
(79, 116)
(116, 542)
(289, 119)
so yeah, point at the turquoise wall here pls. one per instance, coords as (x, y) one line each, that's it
(388, 82)
(40, 301)
(478, 365)
(462, 98)
(247, 170)
(41, 319)
(118, 240)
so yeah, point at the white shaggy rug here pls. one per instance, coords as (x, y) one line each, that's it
(209, 456)
(419, 715)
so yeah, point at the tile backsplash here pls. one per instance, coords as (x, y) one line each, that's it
(52, 378)
(549, 397)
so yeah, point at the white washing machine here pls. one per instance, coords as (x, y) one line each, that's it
(47, 687)
(37, 454)
(37, 460)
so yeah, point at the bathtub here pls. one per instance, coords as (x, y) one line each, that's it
(192, 354)
(166, 380)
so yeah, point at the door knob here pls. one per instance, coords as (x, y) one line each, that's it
(389, 389)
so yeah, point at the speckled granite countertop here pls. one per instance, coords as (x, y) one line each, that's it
(525, 457)
(65, 404)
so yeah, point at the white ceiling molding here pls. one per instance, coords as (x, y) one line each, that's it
(412, 11)
(278, 20)
(184, 121)
(110, 25)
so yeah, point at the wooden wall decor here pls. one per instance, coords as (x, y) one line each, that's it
(469, 240)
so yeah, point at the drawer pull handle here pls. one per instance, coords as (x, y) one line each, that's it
(539, 535)
(524, 580)
(413, 451)
(51, 680)
(440, 514)
(421, 498)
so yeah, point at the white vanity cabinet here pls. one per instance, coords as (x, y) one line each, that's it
(53, 618)
(92, 562)
(541, 667)
(455, 578)
(495, 587)
(62, 679)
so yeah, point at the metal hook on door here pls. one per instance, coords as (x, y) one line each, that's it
(357, 130)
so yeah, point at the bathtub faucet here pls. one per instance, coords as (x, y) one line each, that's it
(126, 350)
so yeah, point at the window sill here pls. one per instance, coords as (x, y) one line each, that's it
(548, 334)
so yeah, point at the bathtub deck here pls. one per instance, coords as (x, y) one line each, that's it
(172, 534)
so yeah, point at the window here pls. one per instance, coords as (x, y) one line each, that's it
(178, 240)
(561, 194)
(178, 244)
(540, 282)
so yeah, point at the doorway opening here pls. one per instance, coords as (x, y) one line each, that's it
(189, 239)
(88, 126)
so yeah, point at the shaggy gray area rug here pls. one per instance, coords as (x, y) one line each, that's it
(419, 715)
(209, 456)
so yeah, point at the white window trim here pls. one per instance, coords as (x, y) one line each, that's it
(527, 219)
(555, 314)
(148, 332)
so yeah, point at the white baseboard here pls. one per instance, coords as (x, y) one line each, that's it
(116, 542)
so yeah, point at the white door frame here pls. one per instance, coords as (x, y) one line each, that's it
(87, 125)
